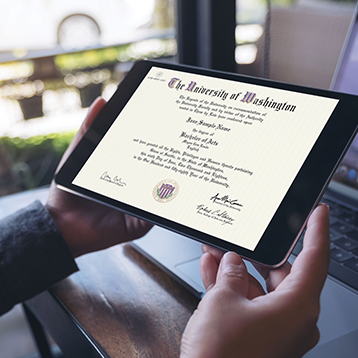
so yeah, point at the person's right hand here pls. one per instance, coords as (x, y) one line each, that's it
(237, 319)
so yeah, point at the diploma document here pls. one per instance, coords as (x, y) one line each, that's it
(211, 154)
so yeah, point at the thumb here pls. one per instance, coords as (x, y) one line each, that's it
(93, 111)
(233, 275)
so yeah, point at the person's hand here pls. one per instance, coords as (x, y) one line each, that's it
(85, 225)
(237, 319)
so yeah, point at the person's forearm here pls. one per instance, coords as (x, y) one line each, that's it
(33, 255)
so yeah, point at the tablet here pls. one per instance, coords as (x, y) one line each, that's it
(232, 161)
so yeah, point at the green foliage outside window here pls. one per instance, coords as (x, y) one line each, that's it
(27, 163)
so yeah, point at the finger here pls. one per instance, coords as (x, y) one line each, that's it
(233, 274)
(217, 253)
(276, 276)
(309, 270)
(255, 288)
(208, 270)
(273, 277)
(93, 111)
(137, 227)
(262, 270)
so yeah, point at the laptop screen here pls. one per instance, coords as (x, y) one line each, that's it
(346, 80)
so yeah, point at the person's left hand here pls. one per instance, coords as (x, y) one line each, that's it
(86, 225)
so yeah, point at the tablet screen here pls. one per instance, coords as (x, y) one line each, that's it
(212, 154)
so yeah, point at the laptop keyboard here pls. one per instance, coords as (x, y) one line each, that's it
(344, 243)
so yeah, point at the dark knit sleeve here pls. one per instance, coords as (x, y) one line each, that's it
(33, 255)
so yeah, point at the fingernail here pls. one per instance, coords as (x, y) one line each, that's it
(230, 258)
(325, 205)
(94, 102)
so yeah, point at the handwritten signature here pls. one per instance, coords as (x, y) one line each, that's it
(225, 200)
(220, 215)
(115, 180)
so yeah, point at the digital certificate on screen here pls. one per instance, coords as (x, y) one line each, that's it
(214, 155)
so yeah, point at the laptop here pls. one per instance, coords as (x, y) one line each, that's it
(338, 322)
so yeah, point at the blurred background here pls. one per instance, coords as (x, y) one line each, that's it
(57, 56)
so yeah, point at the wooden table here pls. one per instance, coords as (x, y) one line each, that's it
(118, 305)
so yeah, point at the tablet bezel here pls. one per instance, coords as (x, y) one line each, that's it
(303, 195)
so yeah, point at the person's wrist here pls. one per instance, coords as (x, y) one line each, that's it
(64, 226)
